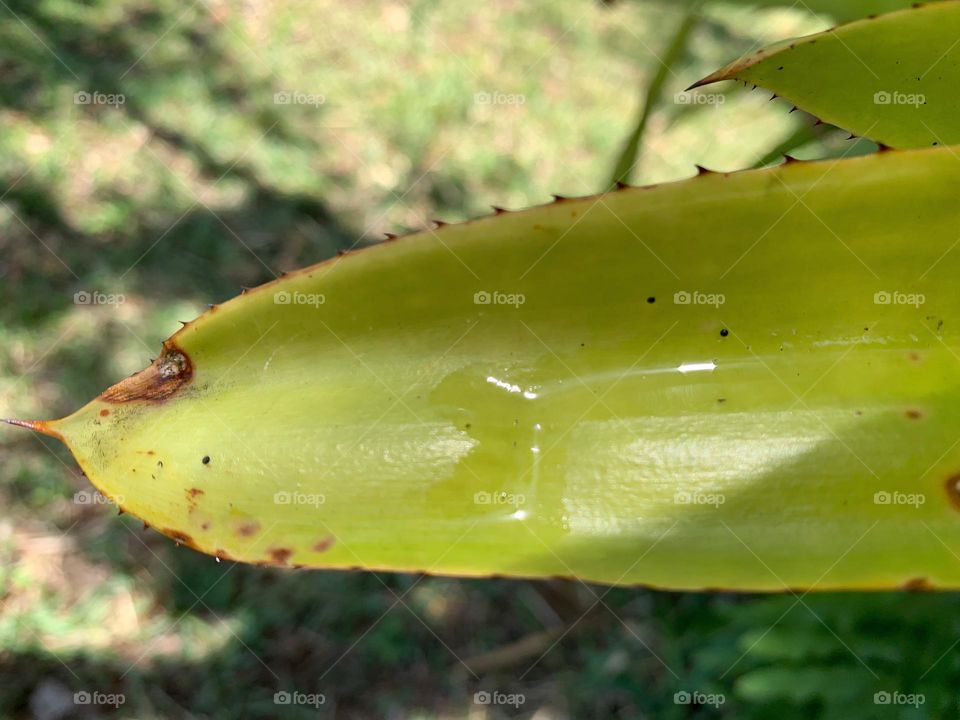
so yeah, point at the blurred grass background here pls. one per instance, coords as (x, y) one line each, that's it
(204, 180)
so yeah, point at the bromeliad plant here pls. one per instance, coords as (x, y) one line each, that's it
(742, 380)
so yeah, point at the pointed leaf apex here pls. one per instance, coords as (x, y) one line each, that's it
(41, 426)
(717, 76)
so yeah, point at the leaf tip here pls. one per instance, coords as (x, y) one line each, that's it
(44, 427)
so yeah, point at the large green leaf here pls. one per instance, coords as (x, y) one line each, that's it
(743, 381)
(892, 78)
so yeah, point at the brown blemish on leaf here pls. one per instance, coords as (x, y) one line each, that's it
(325, 544)
(192, 495)
(280, 555)
(104, 412)
(180, 537)
(913, 414)
(917, 585)
(953, 490)
(205, 525)
(248, 528)
(162, 379)
(222, 554)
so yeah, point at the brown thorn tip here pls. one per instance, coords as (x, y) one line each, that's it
(621, 185)
(439, 223)
(498, 210)
(390, 236)
(40, 426)
(703, 171)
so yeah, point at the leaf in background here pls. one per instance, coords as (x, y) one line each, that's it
(740, 381)
(629, 156)
(892, 78)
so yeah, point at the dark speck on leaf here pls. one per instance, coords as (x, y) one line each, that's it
(724, 332)
(206, 460)
(651, 300)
